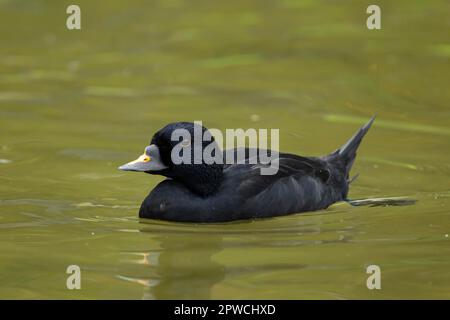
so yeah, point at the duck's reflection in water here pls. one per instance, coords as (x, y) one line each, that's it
(180, 266)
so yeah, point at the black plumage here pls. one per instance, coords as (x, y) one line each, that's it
(225, 192)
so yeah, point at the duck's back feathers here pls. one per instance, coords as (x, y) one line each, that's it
(301, 184)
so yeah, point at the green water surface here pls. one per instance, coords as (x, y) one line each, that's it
(74, 105)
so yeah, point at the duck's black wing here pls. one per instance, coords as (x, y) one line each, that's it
(300, 184)
(252, 180)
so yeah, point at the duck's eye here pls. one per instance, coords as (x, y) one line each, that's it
(185, 143)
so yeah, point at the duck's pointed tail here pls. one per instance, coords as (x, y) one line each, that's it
(347, 153)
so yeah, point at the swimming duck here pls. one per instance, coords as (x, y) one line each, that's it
(215, 192)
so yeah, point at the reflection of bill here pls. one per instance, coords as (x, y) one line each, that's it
(179, 265)
(249, 146)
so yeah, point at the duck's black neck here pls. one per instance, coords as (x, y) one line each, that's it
(201, 179)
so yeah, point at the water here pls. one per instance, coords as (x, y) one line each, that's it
(76, 104)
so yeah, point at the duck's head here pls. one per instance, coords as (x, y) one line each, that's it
(174, 153)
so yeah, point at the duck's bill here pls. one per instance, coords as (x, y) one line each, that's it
(149, 161)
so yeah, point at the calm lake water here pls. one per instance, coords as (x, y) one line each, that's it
(74, 105)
